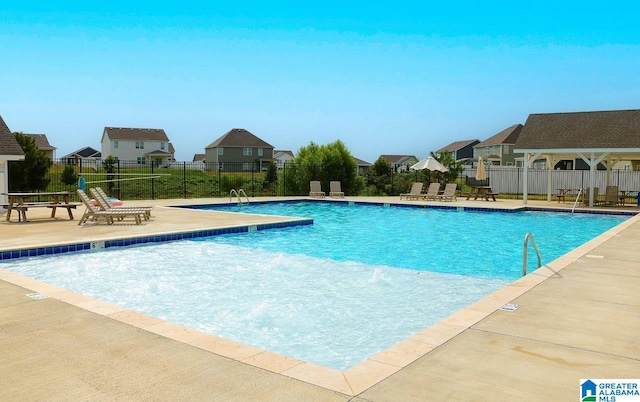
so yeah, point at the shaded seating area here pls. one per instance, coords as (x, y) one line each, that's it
(315, 189)
(335, 189)
(94, 213)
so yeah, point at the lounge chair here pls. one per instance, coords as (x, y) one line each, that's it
(93, 212)
(415, 193)
(105, 203)
(433, 192)
(449, 193)
(335, 189)
(315, 189)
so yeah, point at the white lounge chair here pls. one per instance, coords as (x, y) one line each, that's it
(315, 189)
(105, 203)
(415, 192)
(93, 212)
(335, 189)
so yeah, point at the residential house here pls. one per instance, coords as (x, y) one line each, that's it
(10, 150)
(144, 145)
(282, 157)
(400, 163)
(198, 158)
(42, 142)
(238, 146)
(498, 149)
(362, 167)
(459, 150)
(83, 157)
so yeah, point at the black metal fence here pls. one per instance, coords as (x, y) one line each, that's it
(131, 180)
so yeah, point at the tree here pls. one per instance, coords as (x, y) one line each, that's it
(455, 167)
(109, 165)
(379, 176)
(330, 162)
(30, 174)
(68, 175)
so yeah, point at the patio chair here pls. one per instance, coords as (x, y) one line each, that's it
(315, 189)
(449, 193)
(99, 195)
(415, 193)
(610, 196)
(335, 189)
(433, 192)
(585, 196)
(92, 212)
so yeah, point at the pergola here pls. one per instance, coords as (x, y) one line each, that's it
(603, 137)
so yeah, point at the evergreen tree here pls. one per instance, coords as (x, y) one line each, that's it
(30, 174)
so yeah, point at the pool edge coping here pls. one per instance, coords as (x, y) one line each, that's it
(355, 379)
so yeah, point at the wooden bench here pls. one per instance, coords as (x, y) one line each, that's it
(492, 196)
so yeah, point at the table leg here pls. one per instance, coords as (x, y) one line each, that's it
(9, 207)
(66, 201)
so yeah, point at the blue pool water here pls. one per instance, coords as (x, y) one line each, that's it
(359, 280)
(478, 243)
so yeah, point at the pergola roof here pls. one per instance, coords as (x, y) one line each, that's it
(614, 132)
(595, 137)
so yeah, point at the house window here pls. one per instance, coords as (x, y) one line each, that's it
(247, 166)
(140, 160)
(259, 151)
(139, 144)
(115, 144)
(487, 150)
(162, 145)
(220, 151)
(247, 151)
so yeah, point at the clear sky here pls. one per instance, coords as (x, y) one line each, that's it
(384, 77)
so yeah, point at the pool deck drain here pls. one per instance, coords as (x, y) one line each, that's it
(577, 319)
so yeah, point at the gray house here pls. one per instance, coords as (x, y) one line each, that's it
(238, 146)
(42, 142)
(603, 137)
(459, 150)
(10, 150)
(498, 149)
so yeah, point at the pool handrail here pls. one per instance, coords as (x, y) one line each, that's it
(238, 194)
(528, 236)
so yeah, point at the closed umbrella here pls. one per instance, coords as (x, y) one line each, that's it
(429, 163)
(481, 173)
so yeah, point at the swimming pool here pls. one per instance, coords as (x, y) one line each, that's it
(323, 306)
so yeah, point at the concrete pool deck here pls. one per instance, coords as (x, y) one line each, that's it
(579, 317)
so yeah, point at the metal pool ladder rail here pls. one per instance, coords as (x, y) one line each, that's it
(528, 236)
(238, 194)
(576, 201)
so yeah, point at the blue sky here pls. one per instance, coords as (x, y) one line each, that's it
(385, 78)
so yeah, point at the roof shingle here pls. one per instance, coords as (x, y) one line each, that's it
(8, 144)
(581, 130)
(239, 137)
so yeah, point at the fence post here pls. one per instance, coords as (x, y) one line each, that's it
(153, 187)
(184, 178)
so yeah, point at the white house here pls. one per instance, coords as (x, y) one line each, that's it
(10, 150)
(282, 157)
(144, 145)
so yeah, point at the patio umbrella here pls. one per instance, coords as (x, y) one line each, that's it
(481, 173)
(429, 163)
